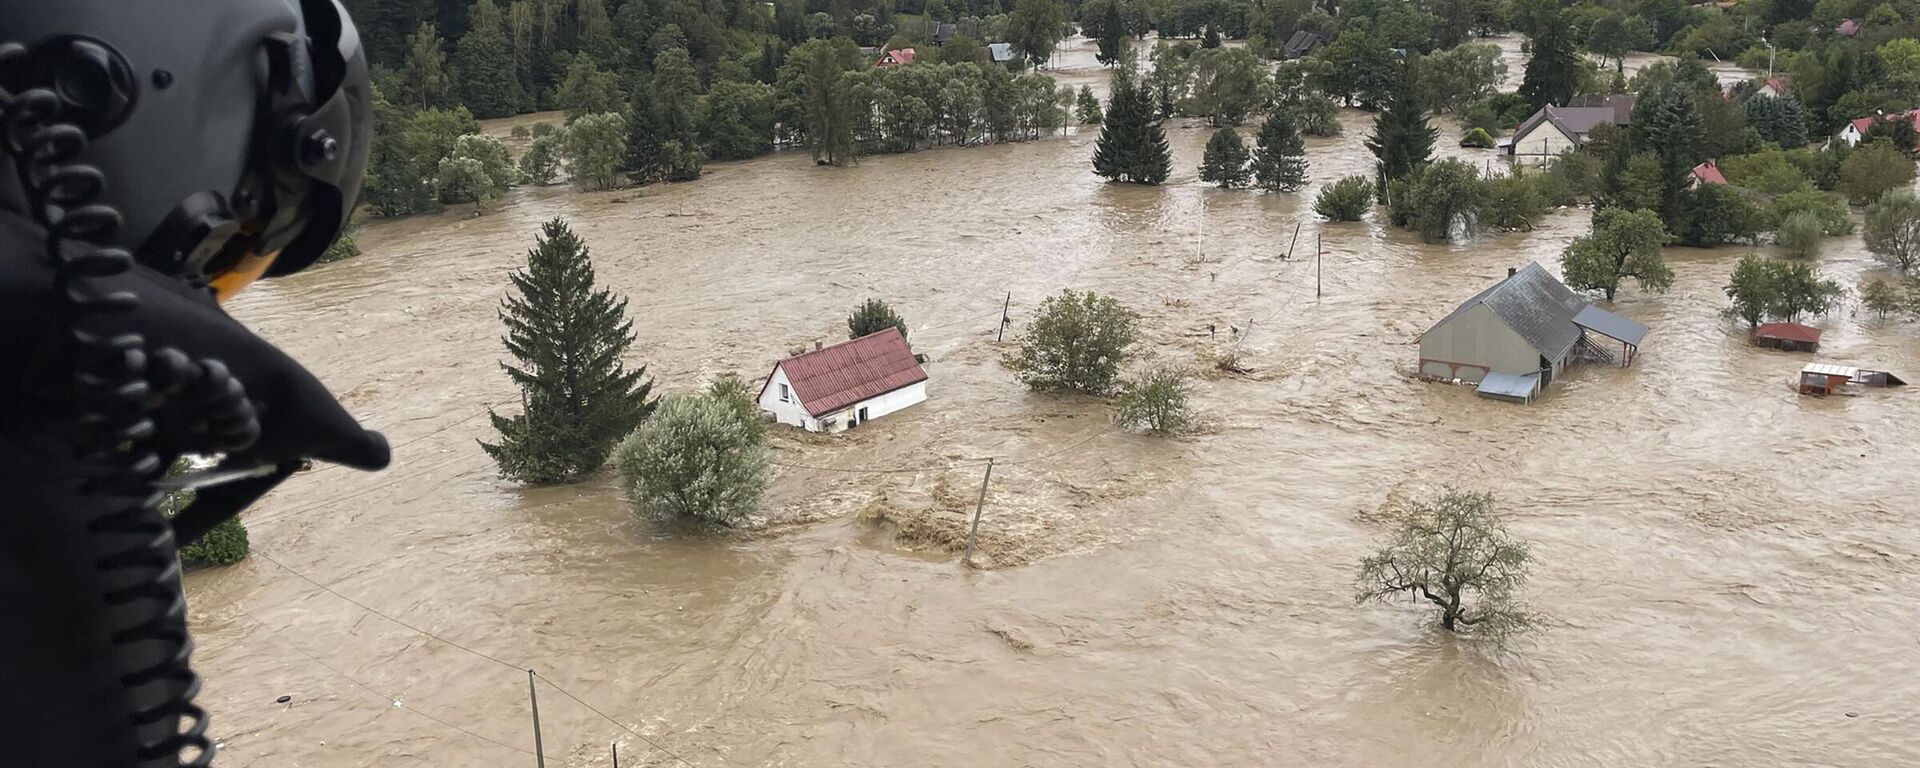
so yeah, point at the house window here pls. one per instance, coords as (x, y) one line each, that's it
(786, 395)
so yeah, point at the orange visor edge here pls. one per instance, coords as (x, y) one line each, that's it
(231, 282)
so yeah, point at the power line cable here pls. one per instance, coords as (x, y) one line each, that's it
(604, 716)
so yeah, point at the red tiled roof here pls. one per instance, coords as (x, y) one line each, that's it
(1847, 28)
(1861, 124)
(895, 56)
(827, 380)
(1788, 332)
(1708, 173)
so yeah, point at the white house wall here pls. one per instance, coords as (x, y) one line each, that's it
(791, 412)
(1545, 142)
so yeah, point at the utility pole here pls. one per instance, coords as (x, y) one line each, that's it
(979, 505)
(1001, 335)
(1296, 238)
(616, 754)
(539, 750)
(1316, 265)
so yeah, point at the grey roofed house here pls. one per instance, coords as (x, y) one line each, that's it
(943, 32)
(1000, 52)
(1527, 325)
(1553, 129)
(1302, 43)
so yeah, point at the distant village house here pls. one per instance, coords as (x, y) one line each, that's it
(1302, 43)
(1001, 53)
(1515, 337)
(833, 389)
(1791, 337)
(895, 57)
(1707, 173)
(1856, 129)
(1554, 130)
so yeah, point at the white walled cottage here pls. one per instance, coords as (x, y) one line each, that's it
(843, 386)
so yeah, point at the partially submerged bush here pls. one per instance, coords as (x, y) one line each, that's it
(1345, 200)
(1477, 138)
(1077, 342)
(1454, 551)
(702, 457)
(1156, 401)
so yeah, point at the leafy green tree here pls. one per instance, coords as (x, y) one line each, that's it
(700, 456)
(736, 120)
(1799, 291)
(1359, 69)
(1751, 288)
(1712, 214)
(593, 148)
(423, 80)
(1132, 146)
(817, 74)
(872, 317)
(344, 247)
(1554, 71)
(224, 544)
(405, 158)
(1439, 198)
(1314, 113)
(1615, 35)
(1086, 107)
(1227, 84)
(1800, 235)
(588, 90)
(1623, 244)
(1402, 140)
(1077, 342)
(541, 163)
(477, 171)
(1112, 34)
(1170, 77)
(1453, 79)
(1035, 27)
(1454, 551)
(488, 77)
(1156, 401)
(1345, 200)
(1829, 209)
(1225, 160)
(1872, 170)
(1767, 171)
(1893, 230)
(1514, 201)
(1477, 138)
(1881, 298)
(569, 338)
(1279, 155)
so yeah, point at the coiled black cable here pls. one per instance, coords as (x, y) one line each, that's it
(119, 384)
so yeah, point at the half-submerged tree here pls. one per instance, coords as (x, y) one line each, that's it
(1156, 401)
(1623, 244)
(1893, 230)
(1402, 139)
(1077, 342)
(1345, 200)
(1132, 146)
(700, 456)
(1454, 552)
(1225, 160)
(874, 316)
(1279, 155)
(569, 338)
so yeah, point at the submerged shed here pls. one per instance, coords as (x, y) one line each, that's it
(1828, 379)
(1627, 333)
(1792, 337)
(1509, 387)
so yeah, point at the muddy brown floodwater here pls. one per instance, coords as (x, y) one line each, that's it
(1728, 569)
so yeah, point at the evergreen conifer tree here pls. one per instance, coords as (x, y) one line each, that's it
(1279, 155)
(1132, 146)
(488, 75)
(1677, 134)
(423, 80)
(569, 338)
(1113, 31)
(646, 160)
(1225, 161)
(1211, 39)
(1086, 108)
(1553, 74)
(1402, 139)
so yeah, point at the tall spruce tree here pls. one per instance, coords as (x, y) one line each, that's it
(646, 160)
(1132, 146)
(423, 82)
(488, 77)
(1113, 35)
(1678, 136)
(1402, 139)
(1553, 74)
(1225, 161)
(1279, 155)
(569, 338)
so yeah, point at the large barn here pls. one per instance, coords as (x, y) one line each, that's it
(836, 388)
(1524, 328)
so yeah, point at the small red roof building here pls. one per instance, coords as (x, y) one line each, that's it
(1847, 28)
(811, 390)
(895, 57)
(1708, 173)
(1788, 336)
(1862, 124)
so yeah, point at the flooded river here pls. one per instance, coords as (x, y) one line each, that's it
(1728, 569)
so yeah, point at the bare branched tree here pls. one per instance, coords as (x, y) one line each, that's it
(1454, 552)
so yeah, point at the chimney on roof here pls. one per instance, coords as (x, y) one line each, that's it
(1511, 271)
(817, 346)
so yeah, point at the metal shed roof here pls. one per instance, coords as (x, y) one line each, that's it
(1829, 369)
(1610, 325)
(1520, 386)
(1535, 305)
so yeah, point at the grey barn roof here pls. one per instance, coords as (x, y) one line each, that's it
(1535, 305)
(1577, 122)
(1610, 325)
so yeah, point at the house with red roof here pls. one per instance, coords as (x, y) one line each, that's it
(1707, 173)
(895, 57)
(1856, 129)
(833, 389)
(1847, 28)
(1774, 87)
